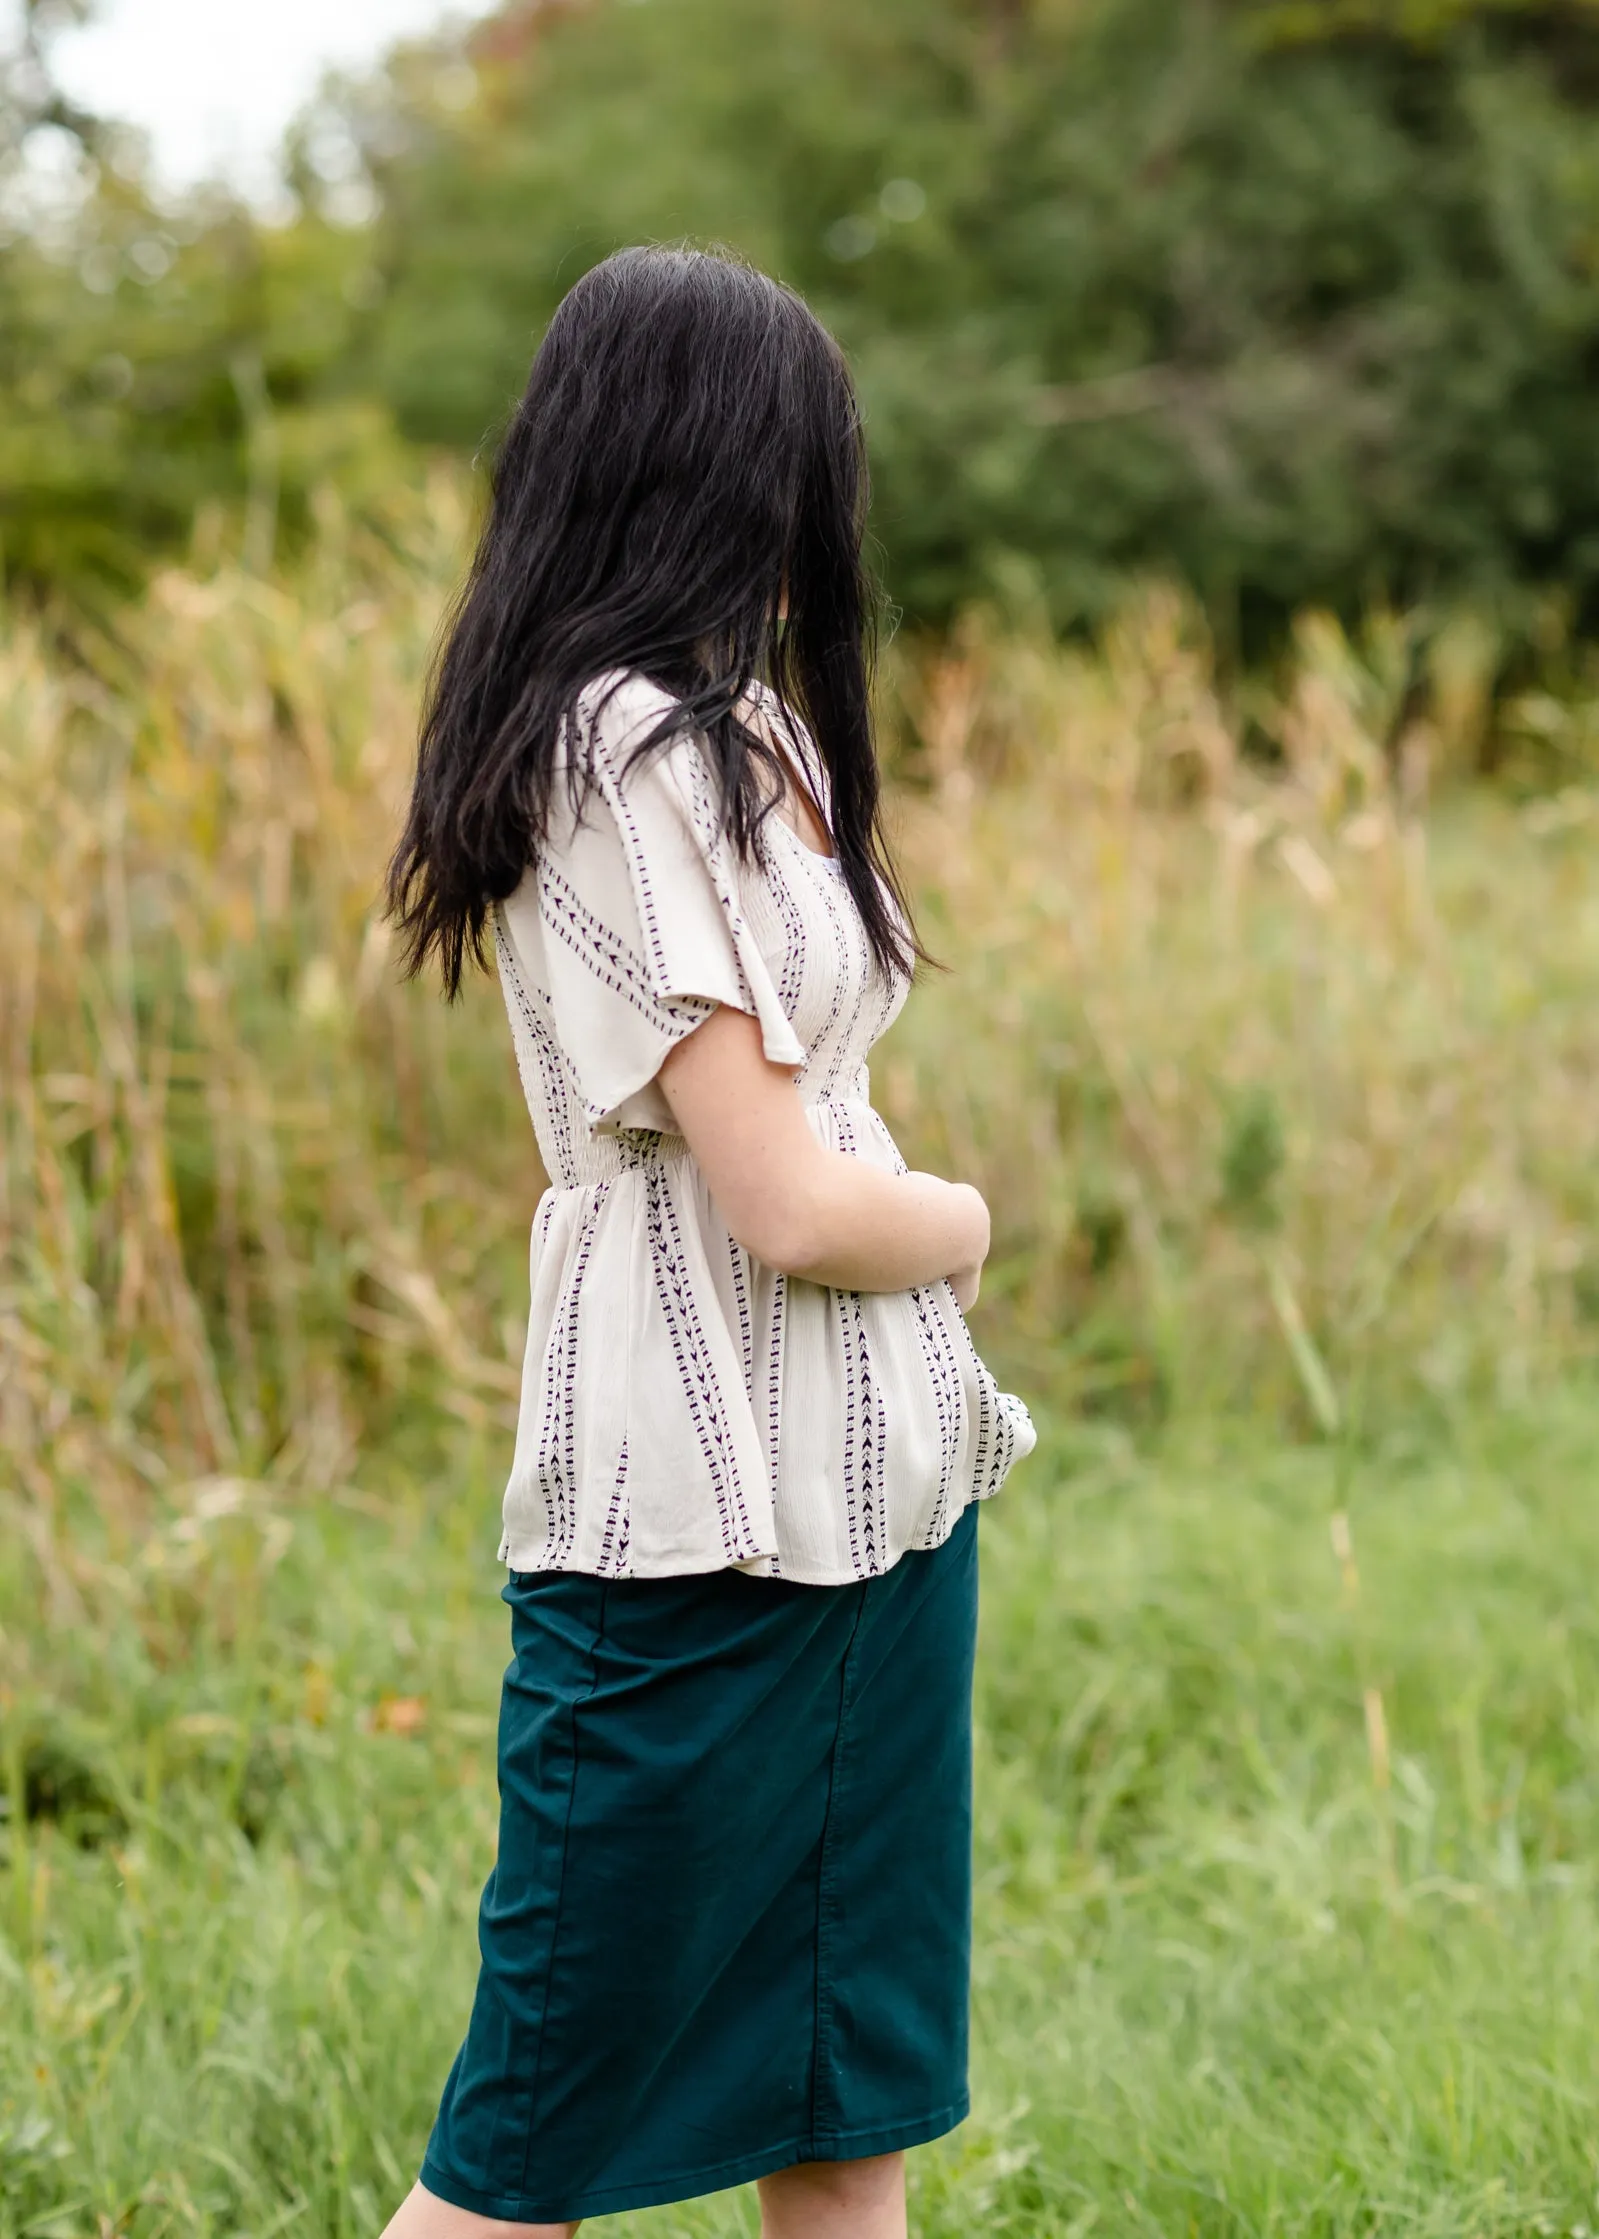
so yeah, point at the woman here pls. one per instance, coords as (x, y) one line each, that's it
(727, 1933)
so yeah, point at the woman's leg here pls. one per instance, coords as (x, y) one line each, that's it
(422, 2215)
(835, 2200)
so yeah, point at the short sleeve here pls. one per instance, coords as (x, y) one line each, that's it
(642, 928)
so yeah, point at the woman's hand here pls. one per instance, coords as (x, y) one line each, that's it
(967, 1279)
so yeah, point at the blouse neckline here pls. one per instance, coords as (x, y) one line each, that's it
(794, 750)
(815, 853)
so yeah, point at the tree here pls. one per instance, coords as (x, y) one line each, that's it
(1298, 297)
(155, 355)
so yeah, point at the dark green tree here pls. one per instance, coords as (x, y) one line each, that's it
(154, 356)
(1299, 298)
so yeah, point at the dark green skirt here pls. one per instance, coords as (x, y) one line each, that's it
(730, 1924)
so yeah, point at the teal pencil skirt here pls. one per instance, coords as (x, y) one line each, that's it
(729, 1928)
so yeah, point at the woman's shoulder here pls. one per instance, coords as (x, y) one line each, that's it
(619, 707)
(620, 712)
(643, 784)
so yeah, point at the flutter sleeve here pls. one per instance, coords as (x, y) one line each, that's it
(643, 931)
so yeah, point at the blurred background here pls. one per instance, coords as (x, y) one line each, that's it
(1229, 370)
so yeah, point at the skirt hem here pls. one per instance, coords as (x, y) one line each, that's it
(691, 2184)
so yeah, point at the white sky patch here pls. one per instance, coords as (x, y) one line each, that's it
(216, 82)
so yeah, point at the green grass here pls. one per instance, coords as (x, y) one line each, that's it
(1280, 1081)
(1241, 1968)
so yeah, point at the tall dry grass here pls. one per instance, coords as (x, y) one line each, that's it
(1278, 1067)
(248, 1177)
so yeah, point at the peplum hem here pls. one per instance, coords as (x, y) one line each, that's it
(743, 1419)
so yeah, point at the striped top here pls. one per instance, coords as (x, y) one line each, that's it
(684, 1407)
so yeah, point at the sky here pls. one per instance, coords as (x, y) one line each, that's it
(214, 82)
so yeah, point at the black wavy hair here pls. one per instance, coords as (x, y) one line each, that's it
(680, 493)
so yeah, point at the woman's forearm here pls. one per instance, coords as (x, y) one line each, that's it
(858, 1228)
(792, 1202)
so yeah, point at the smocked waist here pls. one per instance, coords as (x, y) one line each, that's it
(605, 1157)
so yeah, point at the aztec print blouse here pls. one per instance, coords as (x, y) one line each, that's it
(685, 1408)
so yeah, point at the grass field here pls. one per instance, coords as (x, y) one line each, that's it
(1248, 1961)
(1275, 1045)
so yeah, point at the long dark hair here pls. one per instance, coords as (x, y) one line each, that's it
(681, 492)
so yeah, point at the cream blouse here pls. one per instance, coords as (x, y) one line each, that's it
(685, 1408)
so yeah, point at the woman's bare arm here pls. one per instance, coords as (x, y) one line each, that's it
(793, 1203)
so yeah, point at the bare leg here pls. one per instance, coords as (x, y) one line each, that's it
(836, 2200)
(421, 2215)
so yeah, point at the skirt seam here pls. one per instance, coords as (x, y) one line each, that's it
(822, 2020)
(560, 1887)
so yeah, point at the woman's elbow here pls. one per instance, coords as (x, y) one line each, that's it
(783, 1231)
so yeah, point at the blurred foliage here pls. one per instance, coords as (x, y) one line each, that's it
(160, 372)
(1280, 1089)
(1296, 298)
(157, 357)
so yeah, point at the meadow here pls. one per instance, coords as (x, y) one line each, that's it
(1268, 1026)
